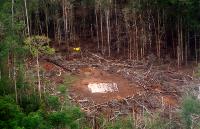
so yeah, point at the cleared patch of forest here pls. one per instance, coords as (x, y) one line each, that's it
(53, 51)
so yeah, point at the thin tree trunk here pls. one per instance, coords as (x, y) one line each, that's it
(178, 56)
(158, 36)
(181, 40)
(66, 23)
(97, 28)
(54, 26)
(186, 47)
(102, 38)
(108, 30)
(91, 31)
(46, 22)
(15, 82)
(179, 44)
(196, 53)
(14, 68)
(117, 29)
(27, 19)
(38, 74)
(136, 41)
(173, 44)
(59, 33)
(13, 13)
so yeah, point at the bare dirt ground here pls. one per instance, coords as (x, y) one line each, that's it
(143, 86)
(93, 75)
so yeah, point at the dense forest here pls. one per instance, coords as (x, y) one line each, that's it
(161, 31)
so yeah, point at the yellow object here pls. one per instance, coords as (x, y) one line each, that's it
(77, 49)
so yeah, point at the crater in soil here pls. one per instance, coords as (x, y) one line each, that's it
(117, 86)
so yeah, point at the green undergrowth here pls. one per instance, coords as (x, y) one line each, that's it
(57, 112)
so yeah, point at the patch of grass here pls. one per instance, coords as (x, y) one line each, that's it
(156, 121)
(69, 80)
(197, 73)
(190, 108)
(121, 123)
(62, 89)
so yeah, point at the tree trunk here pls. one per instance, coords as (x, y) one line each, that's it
(178, 56)
(14, 68)
(158, 35)
(27, 19)
(136, 40)
(38, 75)
(186, 47)
(15, 81)
(108, 30)
(46, 23)
(97, 28)
(102, 37)
(196, 53)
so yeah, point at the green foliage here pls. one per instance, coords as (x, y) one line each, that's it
(53, 102)
(38, 45)
(34, 120)
(122, 123)
(197, 73)
(11, 116)
(10, 113)
(11, 43)
(68, 118)
(69, 79)
(27, 114)
(62, 89)
(1, 31)
(190, 106)
(5, 86)
(156, 124)
(58, 119)
(30, 103)
(17, 25)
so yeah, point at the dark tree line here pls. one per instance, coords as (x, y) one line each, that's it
(132, 27)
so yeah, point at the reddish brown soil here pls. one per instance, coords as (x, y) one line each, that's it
(170, 100)
(93, 75)
(48, 66)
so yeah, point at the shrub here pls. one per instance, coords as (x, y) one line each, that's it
(62, 89)
(190, 106)
(53, 102)
(35, 121)
(10, 113)
(121, 123)
(30, 103)
(68, 118)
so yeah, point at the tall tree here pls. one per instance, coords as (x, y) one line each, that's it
(38, 45)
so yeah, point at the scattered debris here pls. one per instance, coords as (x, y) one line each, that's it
(102, 87)
(118, 87)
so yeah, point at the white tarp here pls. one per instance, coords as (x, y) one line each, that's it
(103, 87)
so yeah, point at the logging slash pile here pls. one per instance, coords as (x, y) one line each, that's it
(136, 87)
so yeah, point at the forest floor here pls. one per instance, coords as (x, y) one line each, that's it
(141, 87)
